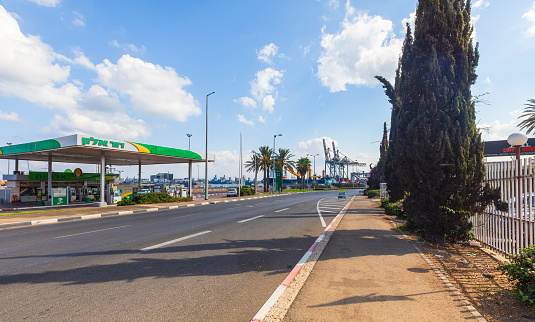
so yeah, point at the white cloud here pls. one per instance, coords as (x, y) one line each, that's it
(226, 163)
(411, 21)
(267, 53)
(78, 20)
(306, 50)
(473, 21)
(261, 119)
(243, 120)
(497, 131)
(350, 11)
(47, 3)
(516, 113)
(98, 99)
(480, 4)
(334, 4)
(530, 17)
(29, 68)
(16, 16)
(314, 146)
(128, 47)
(245, 101)
(364, 47)
(153, 89)
(104, 124)
(267, 103)
(9, 117)
(263, 90)
(82, 60)
(263, 84)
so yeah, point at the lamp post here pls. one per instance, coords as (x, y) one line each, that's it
(314, 156)
(8, 143)
(274, 137)
(189, 141)
(518, 140)
(206, 150)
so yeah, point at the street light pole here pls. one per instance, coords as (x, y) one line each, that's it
(518, 140)
(189, 141)
(206, 155)
(274, 137)
(314, 156)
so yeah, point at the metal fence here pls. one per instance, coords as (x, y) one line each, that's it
(508, 231)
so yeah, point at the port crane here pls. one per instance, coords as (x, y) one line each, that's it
(337, 164)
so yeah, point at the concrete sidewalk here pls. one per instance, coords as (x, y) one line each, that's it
(369, 271)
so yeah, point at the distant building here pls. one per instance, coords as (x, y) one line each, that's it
(161, 177)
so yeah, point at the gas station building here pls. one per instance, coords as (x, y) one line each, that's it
(84, 149)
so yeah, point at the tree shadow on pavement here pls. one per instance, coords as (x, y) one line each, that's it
(270, 256)
(374, 297)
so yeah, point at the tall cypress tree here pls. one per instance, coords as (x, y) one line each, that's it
(383, 152)
(436, 153)
(377, 173)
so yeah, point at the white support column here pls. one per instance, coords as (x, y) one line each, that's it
(49, 195)
(102, 177)
(190, 181)
(139, 176)
(102, 202)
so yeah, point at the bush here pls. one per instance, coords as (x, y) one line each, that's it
(395, 209)
(373, 193)
(520, 270)
(384, 202)
(149, 198)
(246, 191)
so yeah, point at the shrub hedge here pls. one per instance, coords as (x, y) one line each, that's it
(150, 198)
(246, 191)
(372, 193)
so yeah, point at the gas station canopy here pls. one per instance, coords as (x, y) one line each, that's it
(85, 149)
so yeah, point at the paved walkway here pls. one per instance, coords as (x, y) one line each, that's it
(370, 272)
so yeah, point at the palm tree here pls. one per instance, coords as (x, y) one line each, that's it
(284, 162)
(303, 166)
(529, 114)
(254, 165)
(266, 153)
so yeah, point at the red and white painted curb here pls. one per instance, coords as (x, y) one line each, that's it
(264, 310)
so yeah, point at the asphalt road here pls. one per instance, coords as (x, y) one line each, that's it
(214, 262)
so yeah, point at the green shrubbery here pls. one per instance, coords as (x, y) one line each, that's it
(393, 208)
(372, 193)
(150, 198)
(521, 272)
(246, 191)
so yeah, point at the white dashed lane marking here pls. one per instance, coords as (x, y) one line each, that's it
(246, 220)
(174, 241)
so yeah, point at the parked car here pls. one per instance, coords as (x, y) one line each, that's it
(232, 192)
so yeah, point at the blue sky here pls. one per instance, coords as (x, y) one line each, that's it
(140, 70)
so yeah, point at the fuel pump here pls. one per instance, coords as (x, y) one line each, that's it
(113, 194)
(183, 192)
